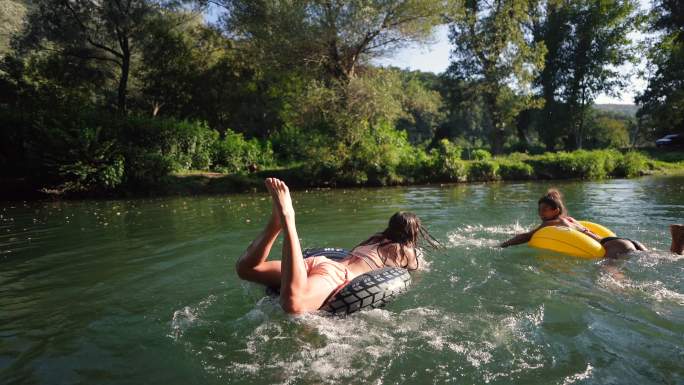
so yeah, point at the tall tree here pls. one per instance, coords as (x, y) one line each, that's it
(587, 41)
(662, 103)
(599, 45)
(423, 104)
(494, 51)
(464, 112)
(176, 51)
(191, 70)
(329, 35)
(551, 28)
(91, 30)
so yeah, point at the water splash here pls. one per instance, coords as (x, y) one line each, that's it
(188, 316)
(654, 290)
(480, 236)
(362, 348)
(586, 374)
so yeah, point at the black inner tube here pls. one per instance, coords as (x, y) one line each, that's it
(370, 290)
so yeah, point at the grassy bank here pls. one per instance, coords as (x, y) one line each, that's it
(437, 166)
(97, 155)
(586, 165)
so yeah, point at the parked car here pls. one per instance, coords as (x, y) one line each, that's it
(671, 141)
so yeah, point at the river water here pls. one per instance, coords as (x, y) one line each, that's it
(143, 291)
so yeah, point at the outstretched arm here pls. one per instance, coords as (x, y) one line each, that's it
(520, 238)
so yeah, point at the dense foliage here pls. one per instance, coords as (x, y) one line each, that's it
(662, 102)
(118, 95)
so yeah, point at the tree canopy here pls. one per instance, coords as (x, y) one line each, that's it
(596, 44)
(330, 36)
(100, 94)
(662, 103)
(494, 52)
(106, 32)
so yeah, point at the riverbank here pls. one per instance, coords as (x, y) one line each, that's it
(440, 168)
(593, 165)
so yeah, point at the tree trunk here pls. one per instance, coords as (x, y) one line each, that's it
(498, 128)
(578, 137)
(335, 66)
(570, 141)
(580, 126)
(522, 126)
(123, 80)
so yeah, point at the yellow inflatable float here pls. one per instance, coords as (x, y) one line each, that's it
(571, 242)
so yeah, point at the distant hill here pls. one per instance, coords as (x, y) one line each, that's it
(618, 109)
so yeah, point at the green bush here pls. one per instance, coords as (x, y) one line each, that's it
(382, 157)
(480, 154)
(91, 163)
(290, 143)
(515, 170)
(154, 147)
(579, 164)
(517, 156)
(377, 158)
(145, 169)
(416, 165)
(611, 160)
(94, 150)
(184, 144)
(330, 161)
(73, 152)
(234, 154)
(483, 170)
(446, 163)
(194, 145)
(325, 159)
(632, 164)
(607, 132)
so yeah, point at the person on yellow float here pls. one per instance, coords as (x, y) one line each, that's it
(553, 213)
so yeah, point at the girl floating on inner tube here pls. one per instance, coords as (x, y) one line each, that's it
(305, 284)
(553, 213)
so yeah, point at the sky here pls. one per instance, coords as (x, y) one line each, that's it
(434, 57)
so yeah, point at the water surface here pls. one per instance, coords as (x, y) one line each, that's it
(143, 291)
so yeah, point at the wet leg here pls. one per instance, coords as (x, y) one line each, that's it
(639, 246)
(294, 275)
(677, 232)
(614, 271)
(253, 265)
(298, 292)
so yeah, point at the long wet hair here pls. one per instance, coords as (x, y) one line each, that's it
(404, 231)
(554, 199)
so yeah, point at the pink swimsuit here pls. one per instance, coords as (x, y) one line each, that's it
(336, 273)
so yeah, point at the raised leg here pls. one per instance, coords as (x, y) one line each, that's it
(677, 232)
(298, 292)
(253, 265)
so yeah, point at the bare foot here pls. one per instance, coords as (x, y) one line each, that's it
(274, 221)
(677, 232)
(281, 198)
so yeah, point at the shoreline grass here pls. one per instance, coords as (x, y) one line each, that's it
(576, 165)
